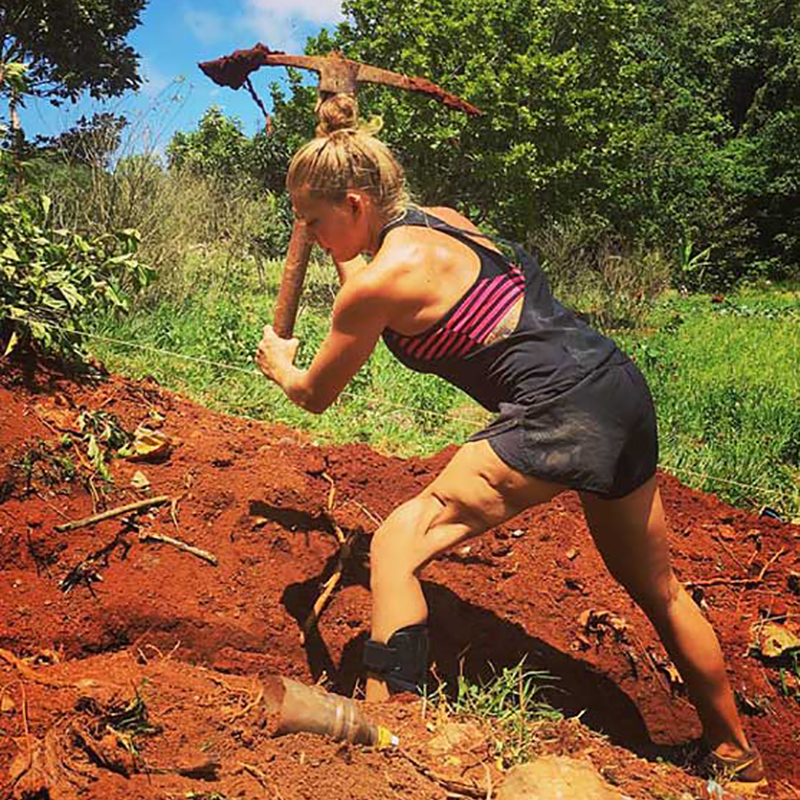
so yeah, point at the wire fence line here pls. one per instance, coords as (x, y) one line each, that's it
(378, 401)
(234, 368)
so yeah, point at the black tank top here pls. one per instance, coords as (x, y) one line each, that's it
(548, 352)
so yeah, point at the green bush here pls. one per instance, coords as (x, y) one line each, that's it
(53, 278)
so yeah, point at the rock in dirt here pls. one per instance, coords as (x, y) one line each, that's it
(455, 739)
(555, 778)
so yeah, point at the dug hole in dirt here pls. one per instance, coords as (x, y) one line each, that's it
(135, 652)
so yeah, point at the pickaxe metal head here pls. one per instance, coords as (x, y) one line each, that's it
(337, 74)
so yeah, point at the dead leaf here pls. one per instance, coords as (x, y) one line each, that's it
(7, 705)
(149, 445)
(674, 676)
(455, 738)
(773, 640)
(140, 481)
(572, 553)
(12, 343)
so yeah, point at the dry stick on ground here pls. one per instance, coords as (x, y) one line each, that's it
(30, 673)
(345, 547)
(114, 512)
(332, 492)
(721, 543)
(260, 776)
(376, 520)
(87, 571)
(738, 581)
(173, 509)
(50, 505)
(465, 789)
(146, 536)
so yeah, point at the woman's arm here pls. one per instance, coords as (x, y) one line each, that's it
(360, 313)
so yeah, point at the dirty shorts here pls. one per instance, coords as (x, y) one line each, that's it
(599, 436)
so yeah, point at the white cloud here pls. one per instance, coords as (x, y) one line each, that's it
(265, 12)
(279, 24)
(206, 26)
(284, 24)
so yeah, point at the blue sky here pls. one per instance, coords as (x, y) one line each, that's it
(172, 37)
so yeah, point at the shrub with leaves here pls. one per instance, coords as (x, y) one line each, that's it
(52, 279)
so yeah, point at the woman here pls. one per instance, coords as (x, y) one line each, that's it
(574, 411)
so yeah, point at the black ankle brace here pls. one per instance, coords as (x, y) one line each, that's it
(403, 661)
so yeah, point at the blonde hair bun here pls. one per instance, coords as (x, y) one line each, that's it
(339, 112)
(335, 113)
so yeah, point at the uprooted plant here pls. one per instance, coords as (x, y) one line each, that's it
(44, 464)
(81, 454)
(124, 720)
(102, 435)
(102, 734)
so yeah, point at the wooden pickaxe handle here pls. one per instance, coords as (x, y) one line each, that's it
(294, 273)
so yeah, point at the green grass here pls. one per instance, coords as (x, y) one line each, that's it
(725, 377)
(726, 381)
(790, 676)
(511, 701)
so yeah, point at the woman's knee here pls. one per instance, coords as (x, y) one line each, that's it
(395, 546)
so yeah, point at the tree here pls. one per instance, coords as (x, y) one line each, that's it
(549, 77)
(217, 149)
(71, 46)
(668, 124)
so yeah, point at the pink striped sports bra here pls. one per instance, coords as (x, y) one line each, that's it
(468, 324)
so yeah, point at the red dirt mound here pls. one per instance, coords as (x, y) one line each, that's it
(191, 637)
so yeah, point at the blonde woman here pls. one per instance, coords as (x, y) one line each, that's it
(573, 411)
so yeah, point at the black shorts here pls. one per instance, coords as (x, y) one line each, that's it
(599, 436)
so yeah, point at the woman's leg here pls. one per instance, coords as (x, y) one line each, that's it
(474, 492)
(631, 535)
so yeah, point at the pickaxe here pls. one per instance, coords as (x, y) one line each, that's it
(337, 75)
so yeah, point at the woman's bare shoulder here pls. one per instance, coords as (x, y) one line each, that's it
(391, 285)
(451, 217)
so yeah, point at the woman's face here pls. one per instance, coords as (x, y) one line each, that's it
(340, 229)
